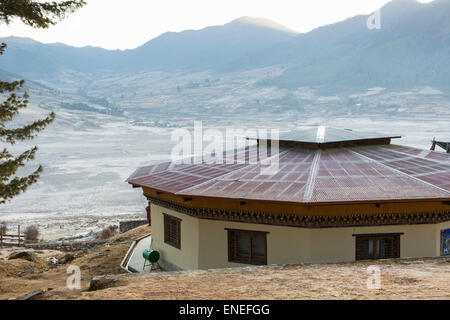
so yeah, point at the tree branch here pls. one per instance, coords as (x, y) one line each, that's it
(37, 14)
(10, 167)
(25, 133)
(18, 185)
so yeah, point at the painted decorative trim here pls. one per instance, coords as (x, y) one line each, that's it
(294, 220)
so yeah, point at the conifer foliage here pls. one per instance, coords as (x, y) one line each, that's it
(13, 98)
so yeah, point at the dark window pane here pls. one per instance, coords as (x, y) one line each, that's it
(370, 248)
(386, 248)
(243, 246)
(258, 248)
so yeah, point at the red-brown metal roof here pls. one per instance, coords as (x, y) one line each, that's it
(369, 173)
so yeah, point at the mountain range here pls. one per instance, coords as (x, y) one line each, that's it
(412, 48)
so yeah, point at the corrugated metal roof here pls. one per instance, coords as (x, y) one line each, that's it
(369, 173)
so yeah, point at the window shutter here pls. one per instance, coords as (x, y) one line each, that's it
(396, 253)
(358, 248)
(172, 231)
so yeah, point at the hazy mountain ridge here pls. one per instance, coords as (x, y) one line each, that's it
(31, 58)
(205, 49)
(187, 50)
(411, 49)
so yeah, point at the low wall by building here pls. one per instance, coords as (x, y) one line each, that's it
(125, 226)
(65, 246)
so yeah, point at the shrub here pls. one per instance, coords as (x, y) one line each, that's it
(107, 233)
(3, 227)
(31, 233)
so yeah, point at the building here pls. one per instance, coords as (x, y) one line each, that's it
(337, 196)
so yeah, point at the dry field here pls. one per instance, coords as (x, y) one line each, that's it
(400, 279)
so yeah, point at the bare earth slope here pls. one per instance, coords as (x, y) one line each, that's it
(400, 279)
(102, 260)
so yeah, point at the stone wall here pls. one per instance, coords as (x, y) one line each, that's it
(125, 226)
(64, 246)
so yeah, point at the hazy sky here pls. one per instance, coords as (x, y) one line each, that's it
(126, 24)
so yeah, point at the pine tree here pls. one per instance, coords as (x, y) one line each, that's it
(37, 15)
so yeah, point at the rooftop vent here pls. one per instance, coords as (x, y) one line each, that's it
(327, 137)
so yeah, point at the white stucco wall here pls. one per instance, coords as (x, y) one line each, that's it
(204, 243)
(172, 258)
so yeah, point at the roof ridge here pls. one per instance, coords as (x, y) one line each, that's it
(309, 187)
(400, 172)
(418, 156)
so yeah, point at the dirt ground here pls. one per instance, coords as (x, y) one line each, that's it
(102, 260)
(400, 279)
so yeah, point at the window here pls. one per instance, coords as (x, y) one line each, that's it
(247, 247)
(172, 231)
(377, 246)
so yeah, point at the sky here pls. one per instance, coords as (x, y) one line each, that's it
(127, 24)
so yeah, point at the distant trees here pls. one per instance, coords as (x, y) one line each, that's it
(36, 14)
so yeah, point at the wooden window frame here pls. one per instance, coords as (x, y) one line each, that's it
(395, 250)
(232, 248)
(172, 231)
